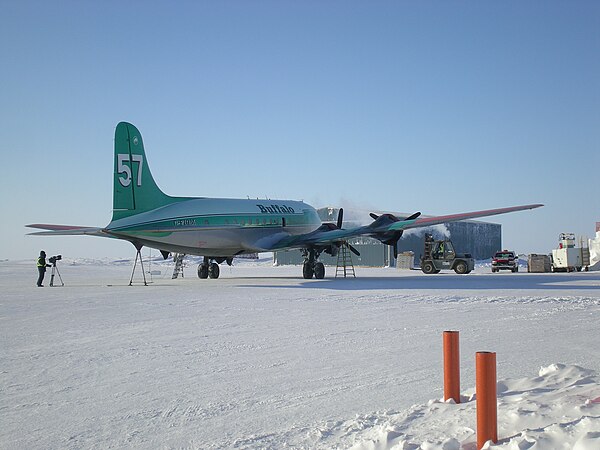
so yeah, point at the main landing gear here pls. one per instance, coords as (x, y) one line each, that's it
(208, 269)
(311, 266)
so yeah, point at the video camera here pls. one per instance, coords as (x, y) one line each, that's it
(53, 259)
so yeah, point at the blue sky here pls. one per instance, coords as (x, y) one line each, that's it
(439, 107)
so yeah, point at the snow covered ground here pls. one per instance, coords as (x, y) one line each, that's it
(261, 358)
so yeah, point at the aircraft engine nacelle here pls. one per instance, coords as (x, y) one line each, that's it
(390, 238)
(332, 250)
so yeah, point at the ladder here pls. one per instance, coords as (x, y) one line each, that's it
(344, 262)
(178, 258)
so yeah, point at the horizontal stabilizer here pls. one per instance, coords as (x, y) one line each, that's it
(66, 230)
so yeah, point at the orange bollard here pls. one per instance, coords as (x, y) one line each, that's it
(451, 366)
(485, 392)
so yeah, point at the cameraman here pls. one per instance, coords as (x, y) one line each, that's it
(41, 265)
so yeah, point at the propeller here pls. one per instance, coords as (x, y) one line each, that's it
(394, 218)
(334, 246)
(395, 248)
(352, 249)
(413, 216)
(340, 220)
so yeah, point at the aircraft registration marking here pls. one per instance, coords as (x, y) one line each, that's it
(184, 222)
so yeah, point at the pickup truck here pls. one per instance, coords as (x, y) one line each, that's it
(505, 260)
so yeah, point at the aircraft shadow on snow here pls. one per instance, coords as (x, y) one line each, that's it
(452, 282)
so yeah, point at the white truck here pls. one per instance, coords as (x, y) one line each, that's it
(567, 257)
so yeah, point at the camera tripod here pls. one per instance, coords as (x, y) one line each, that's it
(55, 269)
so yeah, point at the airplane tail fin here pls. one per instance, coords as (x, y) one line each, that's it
(134, 189)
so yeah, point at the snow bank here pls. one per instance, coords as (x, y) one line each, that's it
(560, 408)
(594, 245)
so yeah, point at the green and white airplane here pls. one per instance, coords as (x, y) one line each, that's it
(220, 229)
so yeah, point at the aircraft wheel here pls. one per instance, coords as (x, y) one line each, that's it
(307, 271)
(213, 270)
(319, 271)
(428, 268)
(461, 267)
(202, 271)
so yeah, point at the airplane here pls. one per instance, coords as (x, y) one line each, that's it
(220, 228)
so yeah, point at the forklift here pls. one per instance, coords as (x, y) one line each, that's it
(438, 255)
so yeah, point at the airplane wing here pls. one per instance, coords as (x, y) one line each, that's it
(386, 227)
(429, 221)
(66, 230)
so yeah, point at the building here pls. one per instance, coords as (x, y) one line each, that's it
(481, 239)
